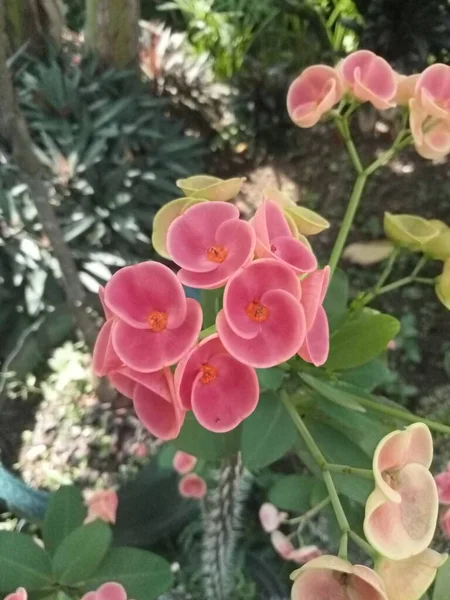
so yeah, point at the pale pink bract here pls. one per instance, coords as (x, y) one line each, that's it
(154, 323)
(431, 136)
(210, 243)
(443, 485)
(305, 554)
(274, 239)
(262, 323)
(433, 91)
(107, 591)
(102, 505)
(316, 345)
(315, 91)
(282, 544)
(270, 517)
(369, 78)
(192, 486)
(220, 390)
(19, 594)
(183, 462)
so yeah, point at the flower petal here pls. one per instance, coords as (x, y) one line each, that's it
(111, 591)
(163, 419)
(193, 486)
(183, 462)
(314, 289)
(162, 221)
(294, 253)
(104, 357)
(316, 346)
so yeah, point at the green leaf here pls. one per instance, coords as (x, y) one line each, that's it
(81, 552)
(361, 339)
(335, 303)
(270, 379)
(333, 393)
(268, 433)
(200, 442)
(22, 563)
(442, 585)
(144, 575)
(293, 493)
(66, 511)
(211, 301)
(368, 376)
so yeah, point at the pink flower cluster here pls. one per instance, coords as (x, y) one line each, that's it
(272, 310)
(366, 77)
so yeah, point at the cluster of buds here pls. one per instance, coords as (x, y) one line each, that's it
(191, 485)
(272, 308)
(365, 77)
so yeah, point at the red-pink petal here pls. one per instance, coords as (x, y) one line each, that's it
(238, 237)
(163, 419)
(134, 292)
(316, 346)
(101, 293)
(279, 336)
(270, 517)
(249, 285)
(443, 484)
(314, 289)
(193, 486)
(19, 594)
(282, 544)
(433, 91)
(145, 350)
(111, 591)
(319, 584)
(445, 523)
(222, 404)
(294, 253)
(194, 232)
(104, 358)
(269, 222)
(183, 462)
(122, 383)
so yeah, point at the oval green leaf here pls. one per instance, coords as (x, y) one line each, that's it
(66, 512)
(293, 492)
(22, 563)
(198, 441)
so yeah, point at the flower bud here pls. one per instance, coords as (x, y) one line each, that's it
(211, 188)
(410, 231)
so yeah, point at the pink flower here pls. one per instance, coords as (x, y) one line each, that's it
(445, 523)
(19, 594)
(276, 240)
(305, 554)
(270, 517)
(401, 512)
(192, 486)
(431, 136)
(369, 78)
(210, 243)
(332, 578)
(315, 91)
(409, 579)
(443, 485)
(220, 390)
(282, 544)
(433, 91)
(406, 85)
(107, 591)
(154, 323)
(317, 340)
(262, 322)
(102, 505)
(155, 401)
(183, 462)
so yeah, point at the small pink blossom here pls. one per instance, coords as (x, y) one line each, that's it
(107, 591)
(183, 462)
(369, 78)
(210, 243)
(317, 340)
(192, 486)
(445, 523)
(431, 136)
(220, 390)
(305, 554)
(102, 505)
(443, 484)
(315, 91)
(433, 91)
(262, 322)
(270, 517)
(276, 240)
(282, 544)
(154, 323)
(19, 594)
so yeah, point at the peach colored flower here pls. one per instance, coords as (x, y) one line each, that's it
(220, 390)
(431, 136)
(401, 512)
(317, 340)
(262, 322)
(210, 243)
(445, 523)
(409, 579)
(192, 486)
(433, 91)
(102, 505)
(183, 462)
(315, 91)
(406, 85)
(270, 517)
(332, 578)
(276, 240)
(369, 78)
(154, 324)
(443, 485)
(107, 591)
(19, 594)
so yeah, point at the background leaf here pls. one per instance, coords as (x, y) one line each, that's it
(22, 563)
(293, 493)
(66, 512)
(442, 585)
(200, 442)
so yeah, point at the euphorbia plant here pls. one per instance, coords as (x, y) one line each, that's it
(274, 358)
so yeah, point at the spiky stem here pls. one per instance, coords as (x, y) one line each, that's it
(222, 527)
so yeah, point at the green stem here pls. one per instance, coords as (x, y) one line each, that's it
(402, 415)
(387, 270)
(206, 332)
(312, 512)
(335, 502)
(394, 285)
(420, 265)
(343, 545)
(363, 545)
(345, 470)
(347, 222)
